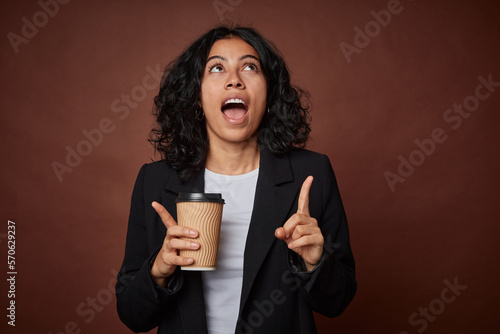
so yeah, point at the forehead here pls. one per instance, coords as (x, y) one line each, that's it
(232, 47)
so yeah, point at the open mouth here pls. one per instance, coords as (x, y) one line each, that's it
(234, 109)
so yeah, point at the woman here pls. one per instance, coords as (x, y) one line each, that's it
(230, 122)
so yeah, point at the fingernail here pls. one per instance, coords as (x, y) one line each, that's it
(192, 233)
(195, 245)
(290, 245)
(189, 261)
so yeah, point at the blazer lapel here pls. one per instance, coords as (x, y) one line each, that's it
(193, 303)
(275, 193)
(197, 184)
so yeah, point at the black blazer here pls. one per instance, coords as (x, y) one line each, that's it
(278, 294)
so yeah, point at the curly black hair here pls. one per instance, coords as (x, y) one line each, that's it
(181, 136)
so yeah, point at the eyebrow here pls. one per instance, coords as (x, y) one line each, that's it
(241, 58)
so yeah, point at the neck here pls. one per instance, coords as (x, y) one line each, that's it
(236, 159)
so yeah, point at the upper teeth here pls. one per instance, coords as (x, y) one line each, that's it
(234, 101)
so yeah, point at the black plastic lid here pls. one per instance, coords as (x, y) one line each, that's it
(199, 197)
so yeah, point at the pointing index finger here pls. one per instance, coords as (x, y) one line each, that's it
(166, 218)
(303, 206)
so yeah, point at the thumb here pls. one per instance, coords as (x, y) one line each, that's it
(280, 233)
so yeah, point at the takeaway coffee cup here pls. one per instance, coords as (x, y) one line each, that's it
(202, 212)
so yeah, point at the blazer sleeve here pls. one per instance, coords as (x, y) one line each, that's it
(139, 298)
(331, 286)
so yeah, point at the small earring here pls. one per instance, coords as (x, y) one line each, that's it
(268, 110)
(199, 114)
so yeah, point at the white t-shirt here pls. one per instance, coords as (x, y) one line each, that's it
(222, 287)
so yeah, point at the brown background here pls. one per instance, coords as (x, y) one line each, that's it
(440, 224)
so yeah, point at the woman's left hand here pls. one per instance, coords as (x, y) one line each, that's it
(301, 231)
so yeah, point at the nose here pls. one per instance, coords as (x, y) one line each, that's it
(234, 81)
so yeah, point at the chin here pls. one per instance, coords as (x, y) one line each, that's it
(240, 138)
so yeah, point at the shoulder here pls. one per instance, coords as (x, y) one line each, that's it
(156, 167)
(305, 162)
(157, 164)
(310, 160)
(155, 173)
(304, 154)
(324, 188)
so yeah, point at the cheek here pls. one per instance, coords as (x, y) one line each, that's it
(206, 96)
(262, 97)
(263, 89)
(259, 87)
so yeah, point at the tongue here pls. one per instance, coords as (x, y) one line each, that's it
(235, 113)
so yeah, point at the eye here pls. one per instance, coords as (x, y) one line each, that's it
(216, 68)
(251, 67)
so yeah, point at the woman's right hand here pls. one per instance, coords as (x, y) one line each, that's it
(168, 258)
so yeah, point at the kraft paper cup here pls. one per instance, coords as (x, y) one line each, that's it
(203, 212)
